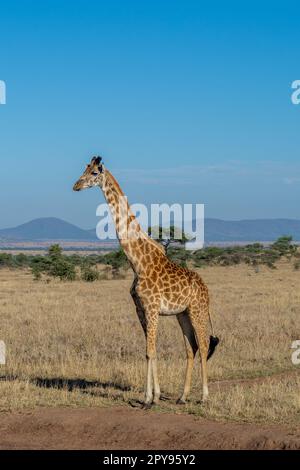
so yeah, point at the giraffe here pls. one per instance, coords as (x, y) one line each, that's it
(160, 287)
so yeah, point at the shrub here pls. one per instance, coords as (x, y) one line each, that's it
(63, 269)
(21, 260)
(284, 246)
(54, 264)
(55, 252)
(6, 260)
(117, 260)
(179, 256)
(36, 273)
(297, 265)
(89, 275)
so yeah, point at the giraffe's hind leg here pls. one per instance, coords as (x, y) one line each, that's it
(199, 318)
(191, 350)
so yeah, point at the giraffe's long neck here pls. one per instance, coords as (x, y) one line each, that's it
(134, 241)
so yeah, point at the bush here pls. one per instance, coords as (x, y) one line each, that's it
(54, 264)
(63, 269)
(6, 260)
(284, 246)
(297, 265)
(21, 260)
(36, 273)
(89, 275)
(117, 260)
(55, 252)
(179, 256)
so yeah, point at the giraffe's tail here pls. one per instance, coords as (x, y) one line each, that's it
(213, 340)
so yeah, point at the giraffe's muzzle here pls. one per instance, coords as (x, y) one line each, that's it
(77, 186)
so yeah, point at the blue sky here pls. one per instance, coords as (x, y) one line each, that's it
(187, 101)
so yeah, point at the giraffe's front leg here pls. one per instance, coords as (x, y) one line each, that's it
(152, 376)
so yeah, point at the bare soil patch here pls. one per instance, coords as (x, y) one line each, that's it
(124, 428)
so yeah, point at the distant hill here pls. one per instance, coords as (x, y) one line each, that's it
(216, 230)
(49, 228)
(250, 230)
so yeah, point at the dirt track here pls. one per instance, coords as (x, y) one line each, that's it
(125, 428)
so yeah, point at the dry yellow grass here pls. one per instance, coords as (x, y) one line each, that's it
(80, 344)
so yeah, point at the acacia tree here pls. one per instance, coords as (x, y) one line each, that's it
(169, 235)
(285, 246)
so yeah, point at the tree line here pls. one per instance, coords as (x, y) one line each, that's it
(56, 264)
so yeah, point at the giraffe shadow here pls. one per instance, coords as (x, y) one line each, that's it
(83, 385)
(90, 387)
(98, 388)
(77, 384)
(93, 388)
(8, 378)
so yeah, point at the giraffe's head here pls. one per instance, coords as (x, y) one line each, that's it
(92, 176)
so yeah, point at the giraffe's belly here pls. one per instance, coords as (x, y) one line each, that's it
(170, 308)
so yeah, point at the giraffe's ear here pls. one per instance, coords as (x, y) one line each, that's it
(96, 160)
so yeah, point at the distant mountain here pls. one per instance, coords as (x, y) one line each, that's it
(216, 230)
(92, 232)
(250, 230)
(49, 228)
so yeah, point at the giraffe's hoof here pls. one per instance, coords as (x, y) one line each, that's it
(136, 403)
(203, 402)
(147, 406)
(180, 402)
(164, 398)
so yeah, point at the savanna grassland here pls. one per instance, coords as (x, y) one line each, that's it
(79, 344)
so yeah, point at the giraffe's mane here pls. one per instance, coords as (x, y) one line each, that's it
(116, 185)
(114, 182)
